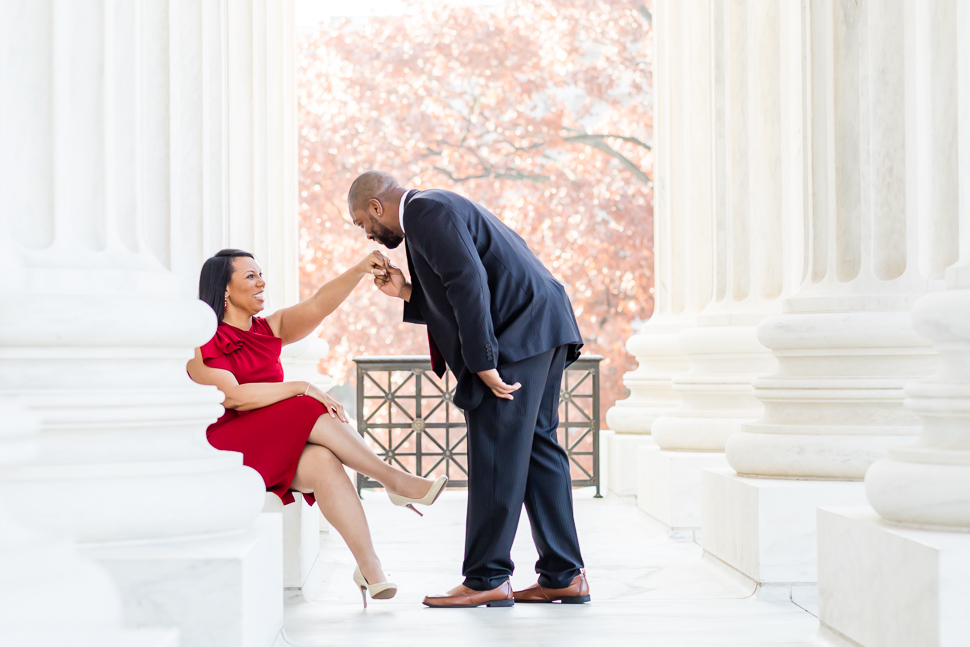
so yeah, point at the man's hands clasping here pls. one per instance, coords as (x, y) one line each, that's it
(388, 278)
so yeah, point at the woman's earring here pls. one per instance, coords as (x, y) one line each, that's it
(225, 303)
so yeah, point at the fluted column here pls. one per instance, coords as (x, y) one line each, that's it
(845, 345)
(749, 222)
(261, 135)
(655, 347)
(235, 134)
(742, 192)
(94, 336)
(922, 489)
(927, 483)
(198, 222)
(674, 254)
(844, 342)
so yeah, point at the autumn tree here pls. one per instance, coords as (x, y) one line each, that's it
(538, 109)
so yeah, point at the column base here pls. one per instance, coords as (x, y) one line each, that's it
(766, 528)
(301, 537)
(622, 458)
(669, 485)
(217, 590)
(882, 585)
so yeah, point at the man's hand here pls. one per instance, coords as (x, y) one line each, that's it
(494, 381)
(373, 260)
(390, 280)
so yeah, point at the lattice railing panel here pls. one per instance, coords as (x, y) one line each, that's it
(405, 413)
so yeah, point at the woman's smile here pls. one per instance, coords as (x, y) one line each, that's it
(246, 279)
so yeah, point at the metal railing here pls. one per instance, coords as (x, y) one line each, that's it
(408, 417)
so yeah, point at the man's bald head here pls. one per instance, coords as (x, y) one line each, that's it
(372, 184)
(374, 200)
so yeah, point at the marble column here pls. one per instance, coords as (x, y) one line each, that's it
(655, 345)
(84, 607)
(234, 132)
(240, 157)
(94, 335)
(921, 491)
(236, 141)
(261, 136)
(753, 240)
(682, 234)
(844, 343)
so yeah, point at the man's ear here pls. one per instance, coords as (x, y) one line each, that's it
(375, 207)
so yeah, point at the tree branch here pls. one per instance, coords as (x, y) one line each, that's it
(583, 137)
(468, 120)
(498, 175)
(516, 175)
(600, 145)
(459, 180)
(646, 14)
(562, 167)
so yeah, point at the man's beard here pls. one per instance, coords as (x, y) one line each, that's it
(385, 236)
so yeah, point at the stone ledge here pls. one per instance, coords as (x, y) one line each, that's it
(669, 485)
(882, 585)
(766, 528)
(224, 590)
(622, 461)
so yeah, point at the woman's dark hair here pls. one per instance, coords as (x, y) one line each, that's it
(216, 274)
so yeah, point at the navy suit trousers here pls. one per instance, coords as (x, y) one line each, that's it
(514, 458)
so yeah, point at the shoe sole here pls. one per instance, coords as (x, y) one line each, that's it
(579, 599)
(496, 603)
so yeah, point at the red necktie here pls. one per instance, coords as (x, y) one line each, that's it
(437, 359)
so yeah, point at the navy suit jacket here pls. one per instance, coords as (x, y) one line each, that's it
(485, 297)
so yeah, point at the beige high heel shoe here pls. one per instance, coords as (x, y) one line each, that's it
(436, 489)
(381, 591)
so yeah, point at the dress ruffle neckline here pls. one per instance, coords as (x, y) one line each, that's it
(226, 341)
(228, 338)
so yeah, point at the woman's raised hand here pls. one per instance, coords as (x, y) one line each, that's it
(372, 263)
(335, 408)
(388, 278)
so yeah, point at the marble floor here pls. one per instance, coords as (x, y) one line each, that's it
(648, 588)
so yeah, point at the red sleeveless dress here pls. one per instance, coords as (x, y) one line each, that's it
(270, 439)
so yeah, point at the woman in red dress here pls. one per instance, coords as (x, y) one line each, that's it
(295, 435)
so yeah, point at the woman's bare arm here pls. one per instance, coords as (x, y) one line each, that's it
(296, 322)
(242, 397)
(246, 397)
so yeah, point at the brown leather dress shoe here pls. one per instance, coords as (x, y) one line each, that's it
(576, 593)
(462, 597)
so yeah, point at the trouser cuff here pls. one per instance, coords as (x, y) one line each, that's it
(485, 584)
(560, 581)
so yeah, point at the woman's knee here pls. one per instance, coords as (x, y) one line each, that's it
(316, 463)
(327, 421)
(321, 457)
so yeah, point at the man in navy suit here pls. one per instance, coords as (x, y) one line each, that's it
(506, 329)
